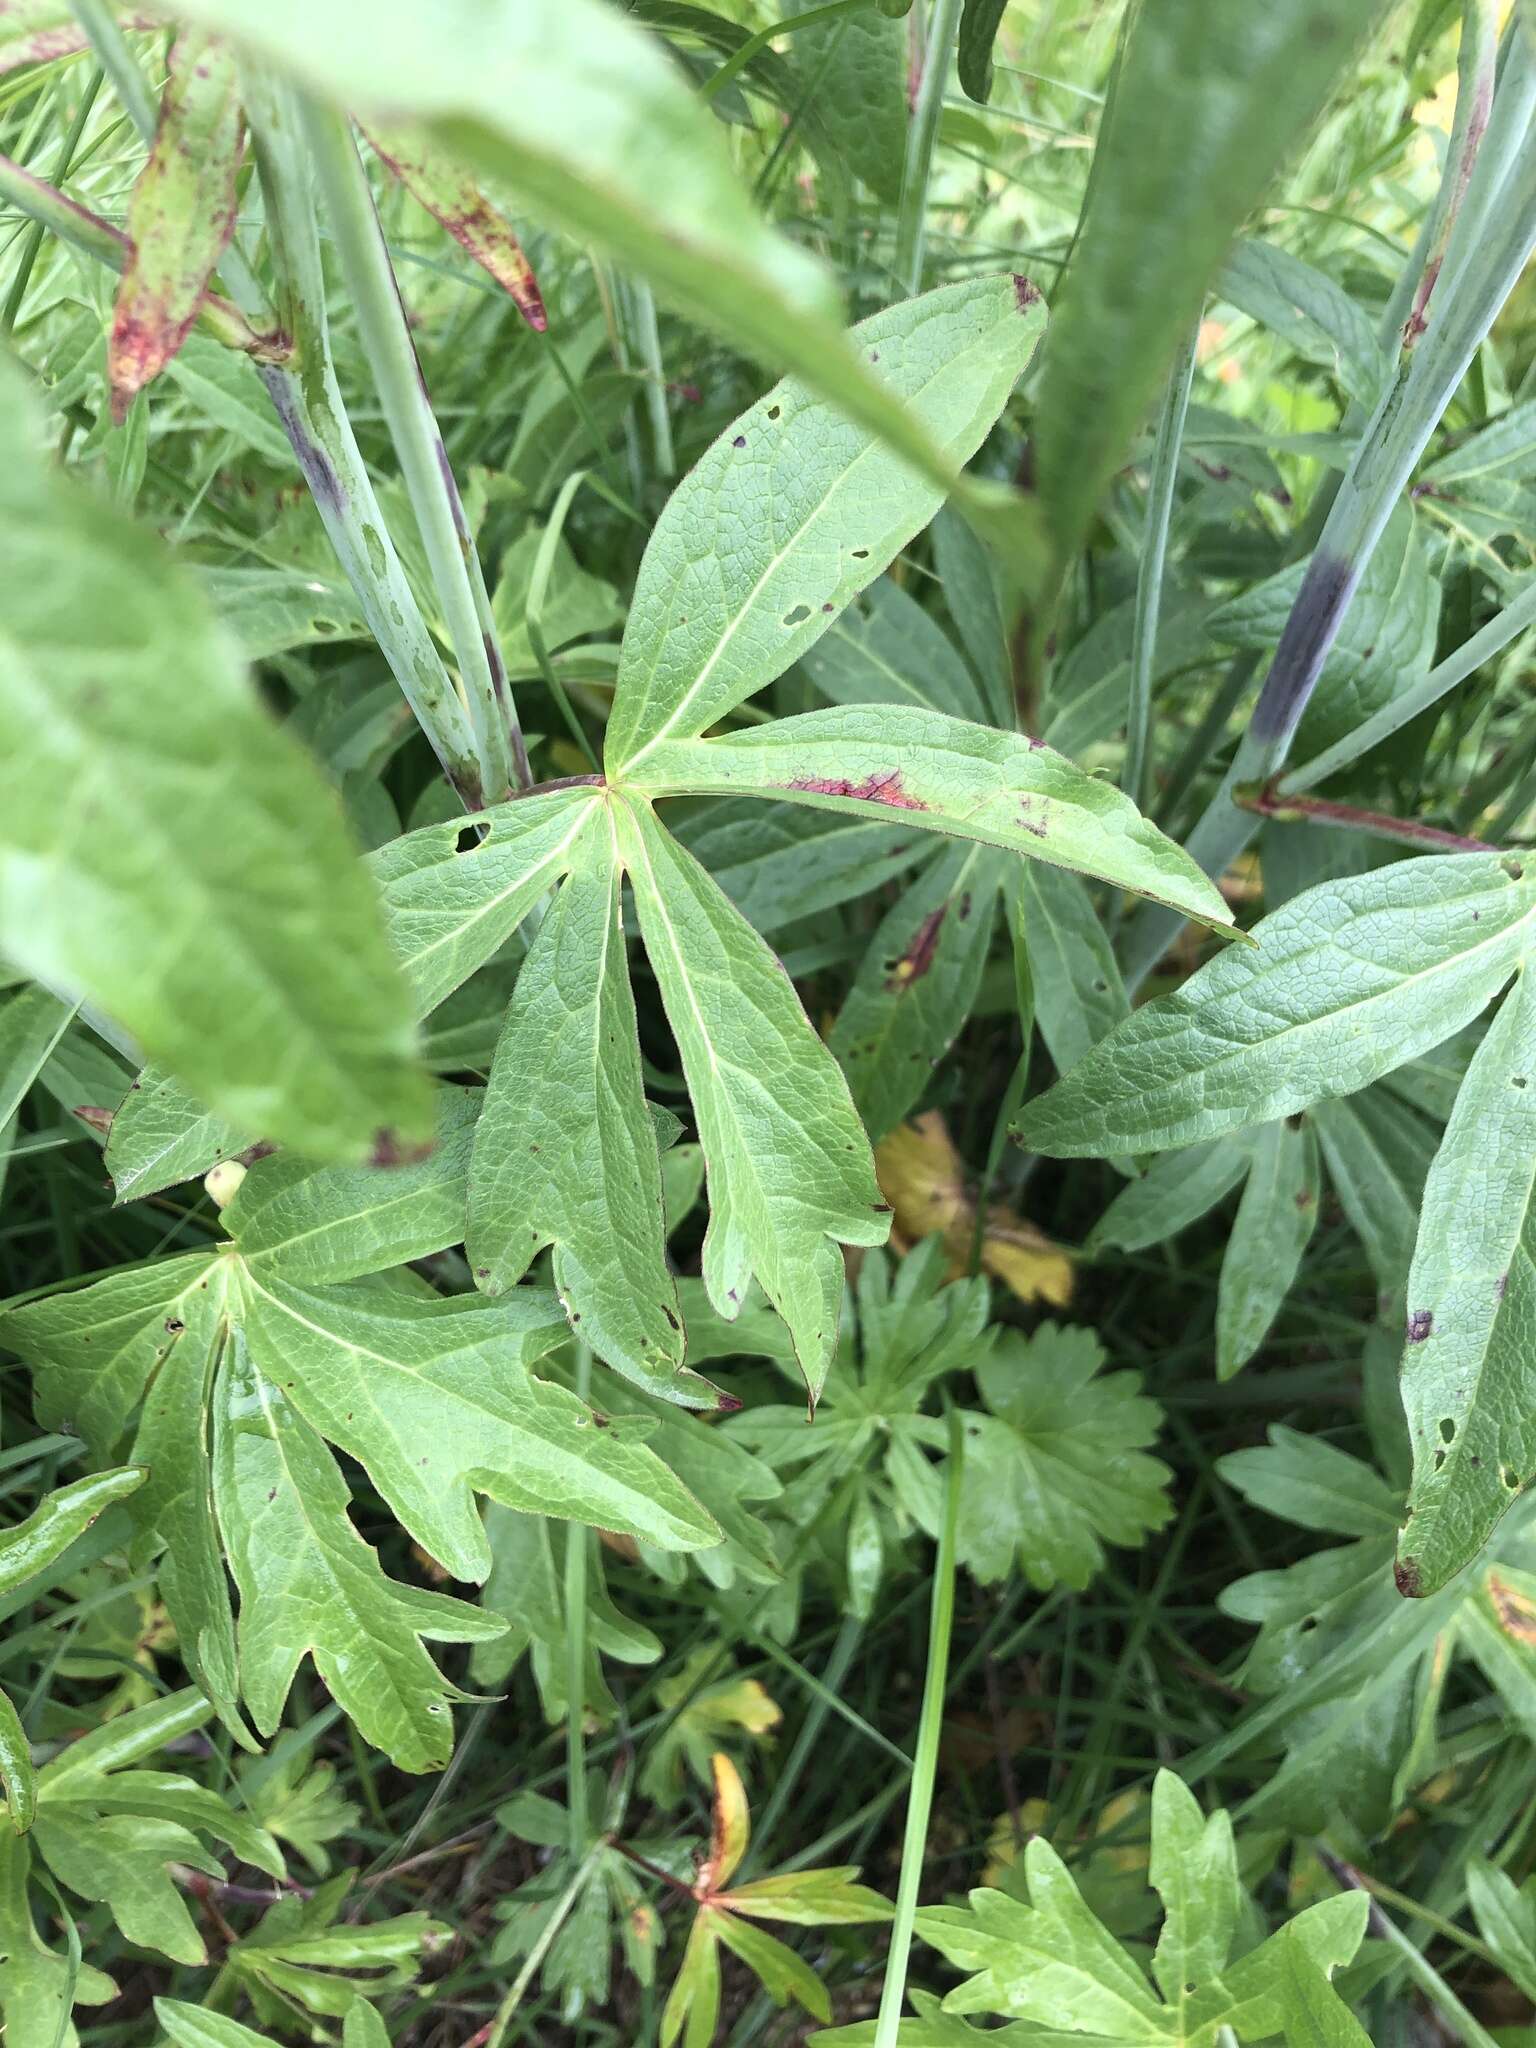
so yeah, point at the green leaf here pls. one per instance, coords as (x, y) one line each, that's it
(944, 775)
(1053, 1963)
(1208, 101)
(779, 863)
(174, 1512)
(917, 984)
(979, 24)
(453, 894)
(1467, 1379)
(1506, 1919)
(31, 1546)
(1307, 309)
(161, 1135)
(196, 2026)
(1193, 1870)
(127, 735)
(968, 575)
(1056, 1467)
(1275, 1222)
(789, 1166)
(325, 1223)
(433, 1397)
(726, 600)
(16, 1772)
(1378, 1152)
(1079, 995)
(37, 1984)
(309, 1584)
(885, 649)
(31, 1024)
(693, 2004)
(1177, 1189)
(565, 1153)
(778, 1969)
(94, 1349)
(1315, 2015)
(180, 216)
(1311, 1482)
(1347, 982)
(586, 117)
(857, 68)
(120, 1859)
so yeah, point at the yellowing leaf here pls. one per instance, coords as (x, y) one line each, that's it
(923, 1178)
(732, 1824)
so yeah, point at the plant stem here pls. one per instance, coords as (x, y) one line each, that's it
(576, 1540)
(1418, 1966)
(926, 1763)
(429, 479)
(34, 241)
(1506, 626)
(313, 414)
(533, 1962)
(648, 341)
(1318, 810)
(1149, 578)
(117, 60)
(1476, 65)
(1477, 281)
(922, 133)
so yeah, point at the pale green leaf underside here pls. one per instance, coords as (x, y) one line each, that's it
(309, 1583)
(945, 775)
(565, 1153)
(789, 1166)
(794, 509)
(434, 1399)
(1348, 981)
(1469, 1365)
(446, 910)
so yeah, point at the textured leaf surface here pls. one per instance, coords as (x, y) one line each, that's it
(325, 1223)
(433, 1397)
(566, 1150)
(857, 68)
(452, 898)
(1469, 1365)
(789, 1166)
(1057, 1466)
(181, 214)
(945, 775)
(127, 735)
(309, 1584)
(1347, 981)
(916, 985)
(1207, 102)
(1274, 1225)
(161, 1135)
(794, 509)
(1079, 995)
(885, 649)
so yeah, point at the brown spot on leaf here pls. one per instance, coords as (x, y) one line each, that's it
(874, 789)
(918, 958)
(1515, 1614)
(1024, 293)
(1420, 1325)
(1408, 1576)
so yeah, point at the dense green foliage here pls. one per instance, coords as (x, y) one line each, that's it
(768, 1265)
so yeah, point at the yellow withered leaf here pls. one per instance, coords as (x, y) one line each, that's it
(923, 1178)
